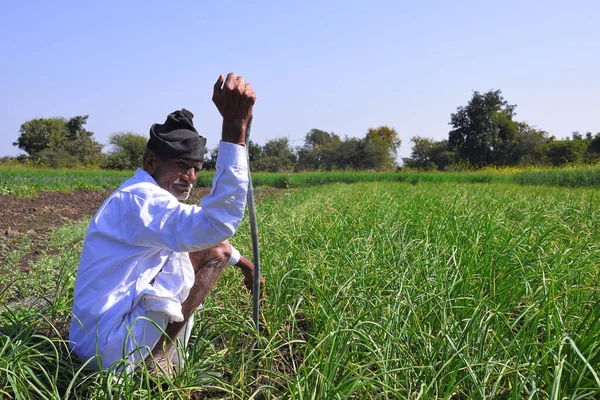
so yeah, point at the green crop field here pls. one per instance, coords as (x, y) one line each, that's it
(24, 181)
(27, 182)
(374, 290)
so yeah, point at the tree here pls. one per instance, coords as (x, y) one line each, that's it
(57, 157)
(350, 154)
(319, 150)
(529, 148)
(255, 154)
(560, 152)
(484, 131)
(211, 162)
(81, 143)
(576, 135)
(58, 142)
(126, 154)
(277, 155)
(380, 150)
(593, 150)
(75, 128)
(86, 150)
(316, 138)
(386, 137)
(427, 154)
(41, 133)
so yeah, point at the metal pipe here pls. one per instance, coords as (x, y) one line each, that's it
(254, 234)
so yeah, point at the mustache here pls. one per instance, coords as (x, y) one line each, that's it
(180, 181)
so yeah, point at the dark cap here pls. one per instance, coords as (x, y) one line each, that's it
(177, 137)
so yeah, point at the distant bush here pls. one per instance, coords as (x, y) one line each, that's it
(127, 151)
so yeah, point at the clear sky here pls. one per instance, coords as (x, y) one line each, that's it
(339, 66)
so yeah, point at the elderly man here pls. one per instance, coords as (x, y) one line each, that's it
(149, 261)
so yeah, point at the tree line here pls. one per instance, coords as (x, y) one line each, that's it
(483, 132)
(64, 143)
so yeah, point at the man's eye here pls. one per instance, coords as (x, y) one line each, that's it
(182, 165)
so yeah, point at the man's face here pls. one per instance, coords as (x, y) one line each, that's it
(176, 175)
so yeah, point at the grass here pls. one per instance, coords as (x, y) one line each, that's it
(304, 179)
(24, 182)
(568, 176)
(375, 290)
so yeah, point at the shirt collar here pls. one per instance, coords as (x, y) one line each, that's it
(143, 176)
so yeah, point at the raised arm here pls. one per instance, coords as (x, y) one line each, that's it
(234, 98)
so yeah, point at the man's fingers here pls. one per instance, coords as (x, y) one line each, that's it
(230, 81)
(234, 98)
(227, 93)
(250, 97)
(249, 282)
(240, 85)
(218, 85)
(249, 92)
(217, 90)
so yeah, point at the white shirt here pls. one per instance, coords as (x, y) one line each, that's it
(143, 233)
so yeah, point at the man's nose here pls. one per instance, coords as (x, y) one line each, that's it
(191, 175)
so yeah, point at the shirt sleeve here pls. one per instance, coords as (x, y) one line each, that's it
(235, 256)
(168, 224)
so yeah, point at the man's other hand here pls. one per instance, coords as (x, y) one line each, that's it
(234, 99)
(247, 269)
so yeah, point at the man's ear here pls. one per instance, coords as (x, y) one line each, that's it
(150, 161)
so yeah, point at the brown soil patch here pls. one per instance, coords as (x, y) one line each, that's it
(39, 216)
(47, 211)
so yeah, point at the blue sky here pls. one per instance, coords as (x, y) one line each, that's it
(339, 66)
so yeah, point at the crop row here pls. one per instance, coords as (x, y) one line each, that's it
(25, 182)
(374, 290)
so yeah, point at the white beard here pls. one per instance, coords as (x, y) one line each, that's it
(183, 196)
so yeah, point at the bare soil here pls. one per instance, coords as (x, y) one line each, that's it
(40, 215)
